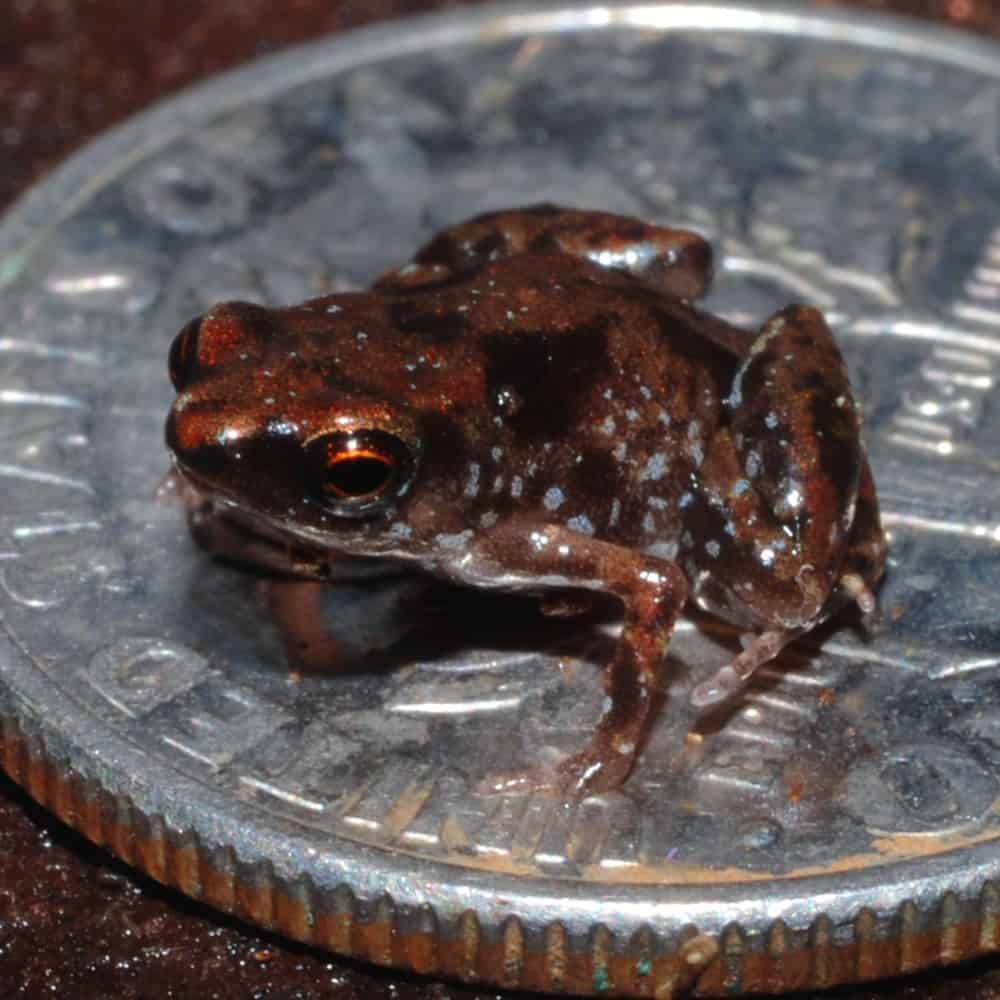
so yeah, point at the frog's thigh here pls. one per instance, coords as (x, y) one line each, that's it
(769, 528)
(652, 591)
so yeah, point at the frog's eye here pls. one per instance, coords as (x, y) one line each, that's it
(358, 472)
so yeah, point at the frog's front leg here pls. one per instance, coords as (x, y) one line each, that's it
(782, 529)
(674, 261)
(652, 591)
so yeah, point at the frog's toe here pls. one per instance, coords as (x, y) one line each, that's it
(591, 772)
(730, 679)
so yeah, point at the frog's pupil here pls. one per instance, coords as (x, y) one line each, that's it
(358, 475)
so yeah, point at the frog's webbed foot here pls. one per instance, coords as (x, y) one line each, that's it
(730, 679)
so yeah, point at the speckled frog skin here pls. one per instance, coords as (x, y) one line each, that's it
(534, 404)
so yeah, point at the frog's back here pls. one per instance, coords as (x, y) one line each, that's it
(596, 395)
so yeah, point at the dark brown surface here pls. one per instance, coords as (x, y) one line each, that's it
(73, 921)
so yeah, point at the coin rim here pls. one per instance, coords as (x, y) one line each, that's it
(85, 762)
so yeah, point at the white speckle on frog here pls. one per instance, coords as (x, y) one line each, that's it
(619, 451)
(496, 452)
(694, 430)
(269, 400)
(626, 748)
(333, 308)
(631, 415)
(227, 434)
(454, 541)
(609, 394)
(664, 418)
(771, 420)
(685, 500)
(516, 486)
(472, 481)
(553, 498)
(654, 468)
(609, 426)
(658, 503)
(581, 523)
(400, 530)
(767, 557)
(645, 392)
(282, 427)
(713, 548)
(498, 484)
(662, 550)
(616, 512)
(361, 335)
(649, 523)
(740, 487)
(730, 529)
(752, 465)
(606, 706)
(510, 314)
(488, 519)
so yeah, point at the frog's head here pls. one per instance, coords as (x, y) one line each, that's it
(267, 427)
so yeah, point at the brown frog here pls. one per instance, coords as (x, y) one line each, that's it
(533, 404)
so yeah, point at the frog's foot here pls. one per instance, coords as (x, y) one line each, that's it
(856, 588)
(591, 772)
(727, 681)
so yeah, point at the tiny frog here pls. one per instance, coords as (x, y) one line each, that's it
(533, 404)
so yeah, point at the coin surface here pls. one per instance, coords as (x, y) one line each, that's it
(840, 823)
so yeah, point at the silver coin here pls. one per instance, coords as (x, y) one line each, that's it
(840, 823)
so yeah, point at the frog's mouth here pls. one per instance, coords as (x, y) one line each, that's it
(251, 539)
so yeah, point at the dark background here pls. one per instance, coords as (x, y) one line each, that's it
(74, 922)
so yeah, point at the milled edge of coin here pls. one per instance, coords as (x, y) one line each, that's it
(874, 933)
(375, 904)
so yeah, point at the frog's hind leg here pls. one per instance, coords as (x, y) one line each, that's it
(781, 528)
(674, 261)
